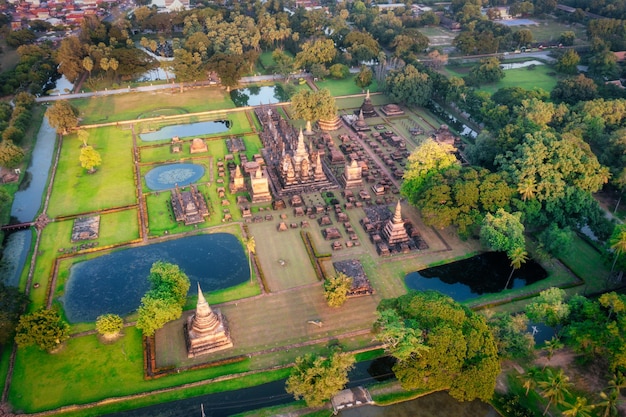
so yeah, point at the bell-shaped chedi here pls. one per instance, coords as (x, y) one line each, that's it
(206, 330)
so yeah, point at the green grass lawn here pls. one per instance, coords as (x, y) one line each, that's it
(549, 30)
(118, 107)
(542, 76)
(75, 191)
(344, 87)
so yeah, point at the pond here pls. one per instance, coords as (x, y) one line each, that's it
(516, 65)
(165, 177)
(187, 130)
(483, 274)
(255, 96)
(273, 393)
(114, 283)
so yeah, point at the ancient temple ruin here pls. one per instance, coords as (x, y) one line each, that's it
(367, 108)
(189, 206)
(206, 330)
(292, 166)
(259, 187)
(394, 231)
(237, 181)
(352, 176)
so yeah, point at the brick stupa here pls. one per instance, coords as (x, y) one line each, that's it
(394, 231)
(206, 331)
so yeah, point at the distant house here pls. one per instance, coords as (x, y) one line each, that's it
(620, 56)
(449, 24)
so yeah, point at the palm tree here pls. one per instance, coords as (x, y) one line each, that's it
(580, 408)
(610, 398)
(554, 387)
(529, 378)
(517, 256)
(551, 347)
(609, 402)
(618, 243)
(527, 188)
(251, 247)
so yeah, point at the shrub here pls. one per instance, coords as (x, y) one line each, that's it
(109, 325)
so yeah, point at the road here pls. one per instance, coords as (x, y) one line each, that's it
(147, 88)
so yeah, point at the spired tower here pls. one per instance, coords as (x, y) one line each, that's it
(394, 231)
(206, 331)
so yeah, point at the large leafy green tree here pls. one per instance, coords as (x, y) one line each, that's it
(320, 51)
(11, 155)
(90, 159)
(12, 303)
(549, 307)
(409, 86)
(336, 289)
(316, 378)
(453, 348)
(44, 328)
(596, 328)
(313, 105)
(503, 231)
(488, 70)
(165, 299)
(425, 161)
(62, 116)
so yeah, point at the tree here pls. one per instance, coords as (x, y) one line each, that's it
(165, 299)
(83, 135)
(317, 379)
(618, 243)
(409, 86)
(567, 38)
(517, 256)
(62, 116)
(549, 307)
(551, 346)
(70, 57)
(88, 64)
(251, 248)
(554, 387)
(43, 328)
(320, 51)
(109, 325)
(511, 335)
(90, 159)
(11, 155)
(364, 77)
(284, 63)
(574, 89)
(529, 378)
(503, 231)
(579, 408)
(187, 66)
(313, 105)
(336, 289)
(487, 71)
(568, 62)
(12, 302)
(229, 68)
(427, 159)
(453, 348)
(339, 71)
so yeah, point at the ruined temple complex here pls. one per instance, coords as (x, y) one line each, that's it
(292, 166)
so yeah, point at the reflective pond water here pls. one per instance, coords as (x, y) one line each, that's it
(114, 283)
(483, 274)
(166, 177)
(255, 96)
(273, 393)
(26, 204)
(187, 130)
